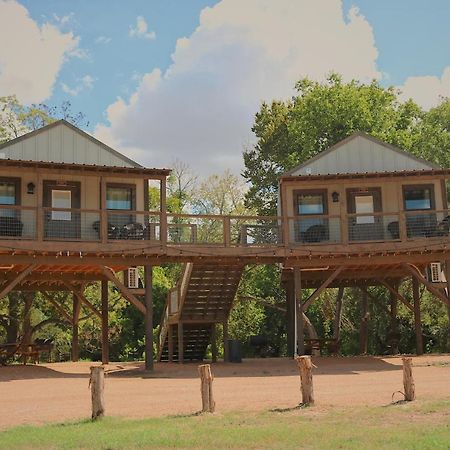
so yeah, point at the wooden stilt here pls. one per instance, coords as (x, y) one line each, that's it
(180, 343)
(213, 343)
(338, 315)
(305, 366)
(226, 356)
(364, 325)
(447, 277)
(97, 383)
(408, 380)
(394, 334)
(417, 317)
(208, 403)
(290, 316)
(75, 317)
(170, 341)
(148, 281)
(299, 335)
(105, 326)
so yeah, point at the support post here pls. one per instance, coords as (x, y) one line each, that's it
(417, 317)
(408, 380)
(290, 317)
(363, 331)
(75, 316)
(97, 384)
(163, 212)
(338, 315)
(105, 327)
(213, 343)
(299, 323)
(148, 282)
(208, 403)
(305, 366)
(226, 356)
(447, 277)
(170, 341)
(180, 343)
(103, 212)
(394, 334)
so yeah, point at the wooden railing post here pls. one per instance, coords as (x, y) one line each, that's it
(226, 231)
(97, 383)
(408, 380)
(39, 210)
(103, 212)
(163, 212)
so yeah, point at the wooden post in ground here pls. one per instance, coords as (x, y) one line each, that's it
(180, 343)
(363, 331)
(97, 384)
(408, 380)
(148, 282)
(105, 327)
(226, 355)
(213, 343)
(305, 366)
(299, 323)
(417, 317)
(75, 316)
(208, 403)
(290, 317)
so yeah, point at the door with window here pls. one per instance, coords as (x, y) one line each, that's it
(59, 197)
(418, 202)
(121, 202)
(363, 223)
(311, 208)
(10, 218)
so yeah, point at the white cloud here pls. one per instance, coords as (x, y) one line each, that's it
(63, 19)
(141, 29)
(103, 40)
(202, 108)
(33, 55)
(87, 82)
(427, 91)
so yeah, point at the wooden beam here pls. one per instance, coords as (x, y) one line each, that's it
(5, 290)
(415, 272)
(127, 294)
(148, 283)
(447, 277)
(338, 315)
(105, 327)
(83, 299)
(75, 319)
(364, 324)
(397, 295)
(323, 286)
(299, 344)
(417, 317)
(57, 306)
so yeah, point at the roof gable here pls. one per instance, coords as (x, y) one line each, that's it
(361, 153)
(62, 142)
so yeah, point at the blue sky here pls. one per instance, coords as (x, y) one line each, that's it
(162, 80)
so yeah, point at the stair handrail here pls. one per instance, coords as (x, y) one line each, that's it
(184, 284)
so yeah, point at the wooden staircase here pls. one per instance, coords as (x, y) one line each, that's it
(202, 298)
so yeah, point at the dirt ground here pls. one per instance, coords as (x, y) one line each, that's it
(36, 394)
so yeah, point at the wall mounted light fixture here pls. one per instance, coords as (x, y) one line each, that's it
(30, 188)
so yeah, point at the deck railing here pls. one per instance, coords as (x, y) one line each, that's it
(92, 225)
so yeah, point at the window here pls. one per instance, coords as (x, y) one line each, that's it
(363, 205)
(9, 195)
(418, 197)
(311, 202)
(61, 199)
(120, 197)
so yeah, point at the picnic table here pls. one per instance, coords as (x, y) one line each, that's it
(26, 351)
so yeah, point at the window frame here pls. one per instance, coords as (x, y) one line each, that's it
(322, 192)
(429, 186)
(123, 186)
(17, 181)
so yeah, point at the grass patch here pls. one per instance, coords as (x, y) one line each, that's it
(414, 425)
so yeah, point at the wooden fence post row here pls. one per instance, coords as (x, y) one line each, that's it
(208, 403)
(97, 384)
(305, 366)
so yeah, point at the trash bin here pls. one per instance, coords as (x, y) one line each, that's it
(234, 351)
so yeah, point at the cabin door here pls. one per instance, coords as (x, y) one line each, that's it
(362, 205)
(59, 198)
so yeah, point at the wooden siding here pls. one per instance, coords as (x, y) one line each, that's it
(63, 144)
(361, 154)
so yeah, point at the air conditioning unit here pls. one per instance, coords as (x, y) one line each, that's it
(133, 278)
(434, 272)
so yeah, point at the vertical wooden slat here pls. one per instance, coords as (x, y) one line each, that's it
(226, 231)
(148, 281)
(103, 212)
(39, 210)
(299, 333)
(163, 211)
(290, 316)
(75, 317)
